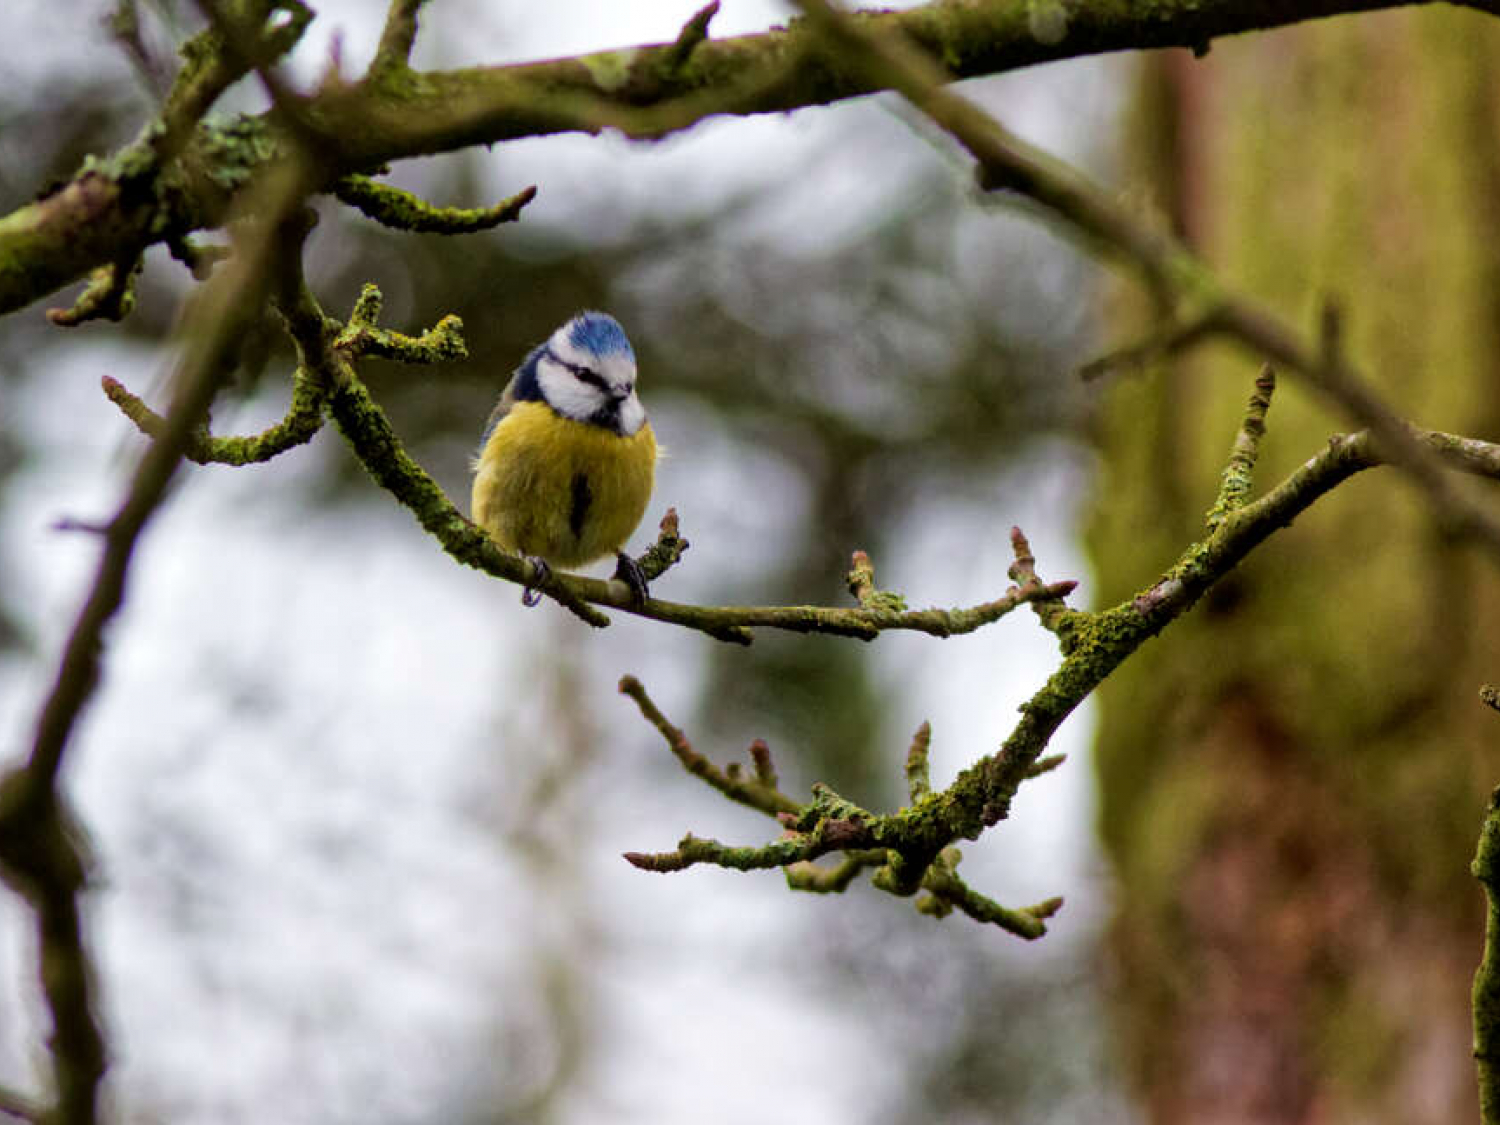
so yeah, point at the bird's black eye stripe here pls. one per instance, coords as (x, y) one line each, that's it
(578, 371)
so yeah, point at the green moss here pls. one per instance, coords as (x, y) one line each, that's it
(403, 84)
(233, 150)
(611, 70)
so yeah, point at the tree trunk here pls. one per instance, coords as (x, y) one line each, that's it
(1292, 778)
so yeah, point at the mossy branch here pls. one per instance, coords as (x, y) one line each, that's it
(109, 295)
(897, 848)
(1486, 996)
(362, 336)
(328, 352)
(755, 794)
(945, 892)
(917, 840)
(401, 210)
(327, 379)
(918, 779)
(185, 172)
(303, 420)
(694, 32)
(805, 875)
(1176, 276)
(397, 37)
(210, 66)
(667, 551)
(1240, 471)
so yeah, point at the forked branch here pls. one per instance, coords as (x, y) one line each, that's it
(912, 849)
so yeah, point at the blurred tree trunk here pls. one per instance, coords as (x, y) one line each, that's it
(1292, 779)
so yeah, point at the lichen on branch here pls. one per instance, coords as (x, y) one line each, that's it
(912, 849)
(185, 172)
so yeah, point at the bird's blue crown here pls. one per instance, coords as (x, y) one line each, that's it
(600, 334)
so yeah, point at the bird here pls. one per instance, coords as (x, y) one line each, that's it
(567, 462)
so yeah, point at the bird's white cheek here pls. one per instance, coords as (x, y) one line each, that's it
(632, 415)
(565, 394)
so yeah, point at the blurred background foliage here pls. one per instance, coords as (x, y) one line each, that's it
(851, 378)
(1291, 781)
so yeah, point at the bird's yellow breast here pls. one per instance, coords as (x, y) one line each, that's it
(570, 492)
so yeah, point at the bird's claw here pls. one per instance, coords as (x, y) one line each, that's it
(531, 593)
(628, 571)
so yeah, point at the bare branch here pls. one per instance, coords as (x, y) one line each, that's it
(754, 794)
(226, 307)
(1171, 338)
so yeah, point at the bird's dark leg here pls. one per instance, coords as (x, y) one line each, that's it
(628, 571)
(532, 593)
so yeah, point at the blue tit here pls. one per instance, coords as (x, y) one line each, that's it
(568, 460)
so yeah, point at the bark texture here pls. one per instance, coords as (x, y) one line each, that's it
(1291, 781)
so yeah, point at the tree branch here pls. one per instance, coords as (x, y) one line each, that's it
(917, 840)
(1234, 491)
(43, 856)
(303, 420)
(1174, 273)
(327, 378)
(185, 173)
(755, 794)
(1486, 868)
(397, 37)
(401, 210)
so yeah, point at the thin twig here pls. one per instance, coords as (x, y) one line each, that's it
(1234, 490)
(754, 794)
(397, 37)
(303, 420)
(401, 210)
